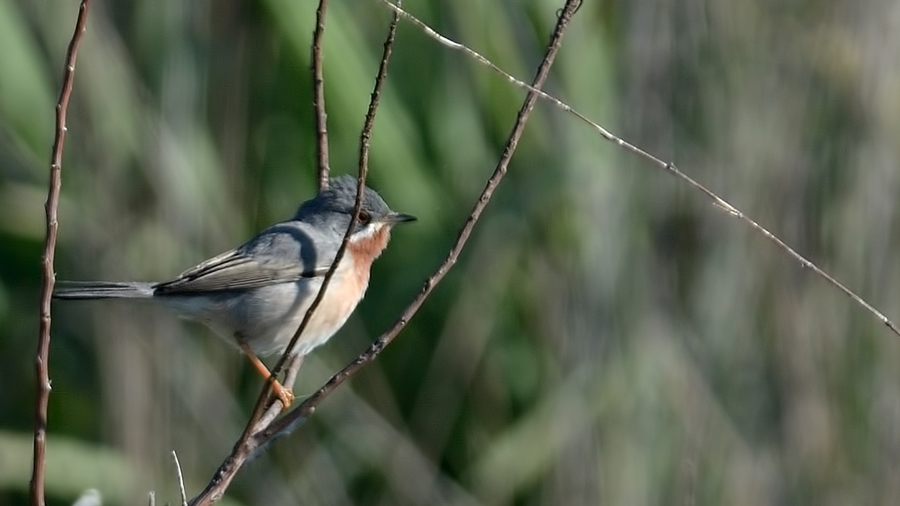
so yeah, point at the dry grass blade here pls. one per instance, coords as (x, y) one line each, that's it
(181, 493)
(670, 167)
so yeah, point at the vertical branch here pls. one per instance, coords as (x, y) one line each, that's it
(289, 421)
(321, 116)
(49, 276)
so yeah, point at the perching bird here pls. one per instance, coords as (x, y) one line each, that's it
(256, 295)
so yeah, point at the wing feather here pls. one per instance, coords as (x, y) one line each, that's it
(283, 253)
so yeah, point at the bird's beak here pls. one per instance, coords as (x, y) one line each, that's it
(394, 218)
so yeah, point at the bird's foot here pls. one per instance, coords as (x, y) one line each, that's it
(283, 394)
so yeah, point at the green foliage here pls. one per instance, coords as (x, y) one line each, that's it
(607, 337)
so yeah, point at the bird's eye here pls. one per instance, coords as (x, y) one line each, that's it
(364, 217)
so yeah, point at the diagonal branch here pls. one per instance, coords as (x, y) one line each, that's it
(364, 141)
(668, 166)
(298, 415)
(249, 443)
(365, 137)
(49, 276)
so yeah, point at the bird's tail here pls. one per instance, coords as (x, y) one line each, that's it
(103, 290)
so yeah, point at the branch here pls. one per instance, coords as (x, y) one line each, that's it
(248, 445)
(298, 415)
(668, 166)
(321, 116)
(49, 276)
(365, 137)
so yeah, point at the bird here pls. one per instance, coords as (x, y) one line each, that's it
(256, 295)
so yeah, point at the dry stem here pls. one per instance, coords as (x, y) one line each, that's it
(49, 276)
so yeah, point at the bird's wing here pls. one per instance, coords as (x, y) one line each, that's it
(282, 253)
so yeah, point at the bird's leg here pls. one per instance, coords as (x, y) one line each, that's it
(284, 394)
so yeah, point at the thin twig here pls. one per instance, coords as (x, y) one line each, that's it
(42, 377)
(257, 417)
(321, 116)
(364, 145)
(248, 445)
(670, 167)
(365, 137)
(292, 419)
(366, 134)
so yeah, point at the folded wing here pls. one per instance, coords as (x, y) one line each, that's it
(282, 253)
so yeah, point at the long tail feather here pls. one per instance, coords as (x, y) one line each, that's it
(103, 290)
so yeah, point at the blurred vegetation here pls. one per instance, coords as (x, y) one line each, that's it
(607, 338)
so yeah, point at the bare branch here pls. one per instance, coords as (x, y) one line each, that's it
(321, 116)
(365, 137)
(49, 276)
(295, 417)
(364, 144)
(366, 134)
(261, 417)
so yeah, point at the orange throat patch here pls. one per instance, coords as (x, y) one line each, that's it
(366, 249)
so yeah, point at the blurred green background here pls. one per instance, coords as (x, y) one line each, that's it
(608, 336)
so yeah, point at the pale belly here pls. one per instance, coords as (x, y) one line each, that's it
(266, 318)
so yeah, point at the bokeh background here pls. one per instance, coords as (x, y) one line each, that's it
(608, 336)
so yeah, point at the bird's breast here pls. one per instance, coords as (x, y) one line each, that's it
(366, 247)
(292, 300)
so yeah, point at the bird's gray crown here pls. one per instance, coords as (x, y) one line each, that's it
(340, 197)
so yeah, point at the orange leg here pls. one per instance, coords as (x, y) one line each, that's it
(285, 395)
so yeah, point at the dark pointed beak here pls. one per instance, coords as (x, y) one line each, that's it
(395, 218)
